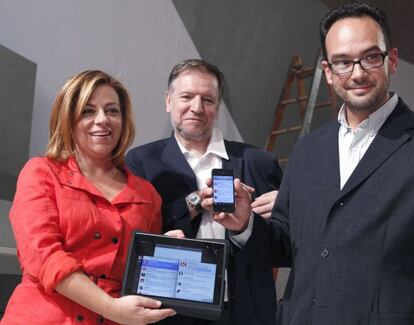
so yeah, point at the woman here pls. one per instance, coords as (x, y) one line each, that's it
(74, 211)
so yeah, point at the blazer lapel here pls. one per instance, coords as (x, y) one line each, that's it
(175, 160)
(323, 162)
(329, 160)
(390, 137)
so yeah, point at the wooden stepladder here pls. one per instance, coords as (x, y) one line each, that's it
(305, 100)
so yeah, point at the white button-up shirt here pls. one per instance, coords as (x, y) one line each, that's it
(202, 166)
(353, 144)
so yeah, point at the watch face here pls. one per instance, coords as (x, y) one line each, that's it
(194, 199)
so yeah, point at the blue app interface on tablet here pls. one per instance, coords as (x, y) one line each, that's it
(176, 273)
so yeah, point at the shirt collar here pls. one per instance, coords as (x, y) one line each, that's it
(374, 121)
(215, 146)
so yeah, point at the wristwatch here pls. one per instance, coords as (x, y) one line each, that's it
(194, 201)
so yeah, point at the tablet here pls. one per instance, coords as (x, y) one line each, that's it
(184, 274)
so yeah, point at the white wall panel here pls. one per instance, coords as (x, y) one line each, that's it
(138, 41)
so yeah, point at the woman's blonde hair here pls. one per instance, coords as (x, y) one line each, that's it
(67, 110)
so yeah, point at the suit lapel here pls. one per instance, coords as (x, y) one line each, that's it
(390, 137)
(174, 159)
(329, 160)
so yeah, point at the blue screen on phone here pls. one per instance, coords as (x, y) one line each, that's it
(223, 189)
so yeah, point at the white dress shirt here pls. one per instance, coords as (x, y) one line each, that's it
(353, 144)
(202, 166)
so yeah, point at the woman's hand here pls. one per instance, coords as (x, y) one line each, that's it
(136, 310)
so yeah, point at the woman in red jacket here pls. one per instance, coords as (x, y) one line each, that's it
(74, 211)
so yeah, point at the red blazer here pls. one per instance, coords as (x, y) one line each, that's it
(62, 224)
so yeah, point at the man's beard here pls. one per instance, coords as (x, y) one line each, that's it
(198, 135)
(368, 103)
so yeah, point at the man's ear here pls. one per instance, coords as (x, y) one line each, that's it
(392, 60)
(167, 101)
(328, 72)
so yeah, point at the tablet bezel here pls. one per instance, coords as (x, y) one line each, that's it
(206, 310)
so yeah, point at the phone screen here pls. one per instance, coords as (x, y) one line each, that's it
(223, 190)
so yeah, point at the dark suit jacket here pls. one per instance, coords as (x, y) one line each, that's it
(251, 288)
(351, 250)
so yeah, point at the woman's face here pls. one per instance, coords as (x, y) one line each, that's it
(98, 129)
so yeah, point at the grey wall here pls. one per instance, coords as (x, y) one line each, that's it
(137, 41)
(17, 81)
(403, 82)
(253, 42)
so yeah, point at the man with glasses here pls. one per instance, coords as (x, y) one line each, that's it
(344, 217)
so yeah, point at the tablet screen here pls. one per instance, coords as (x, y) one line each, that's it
(176, 273)
(183, 269)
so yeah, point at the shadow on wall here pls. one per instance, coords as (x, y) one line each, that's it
(17, 82)
(253, 42)
(9, 266)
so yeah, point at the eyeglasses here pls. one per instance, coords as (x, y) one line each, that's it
(368, 62)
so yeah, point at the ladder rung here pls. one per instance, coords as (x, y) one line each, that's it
(297, 75)
(294, 100)
(323, 104)
(305, 73)
(287, 130)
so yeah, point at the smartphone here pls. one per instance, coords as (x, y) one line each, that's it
(223, 190)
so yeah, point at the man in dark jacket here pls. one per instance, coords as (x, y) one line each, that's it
(179, 167)
(344, 217)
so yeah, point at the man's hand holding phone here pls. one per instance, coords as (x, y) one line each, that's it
(239, 219)
(223, 190)
(235, 196)
(236, 221)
